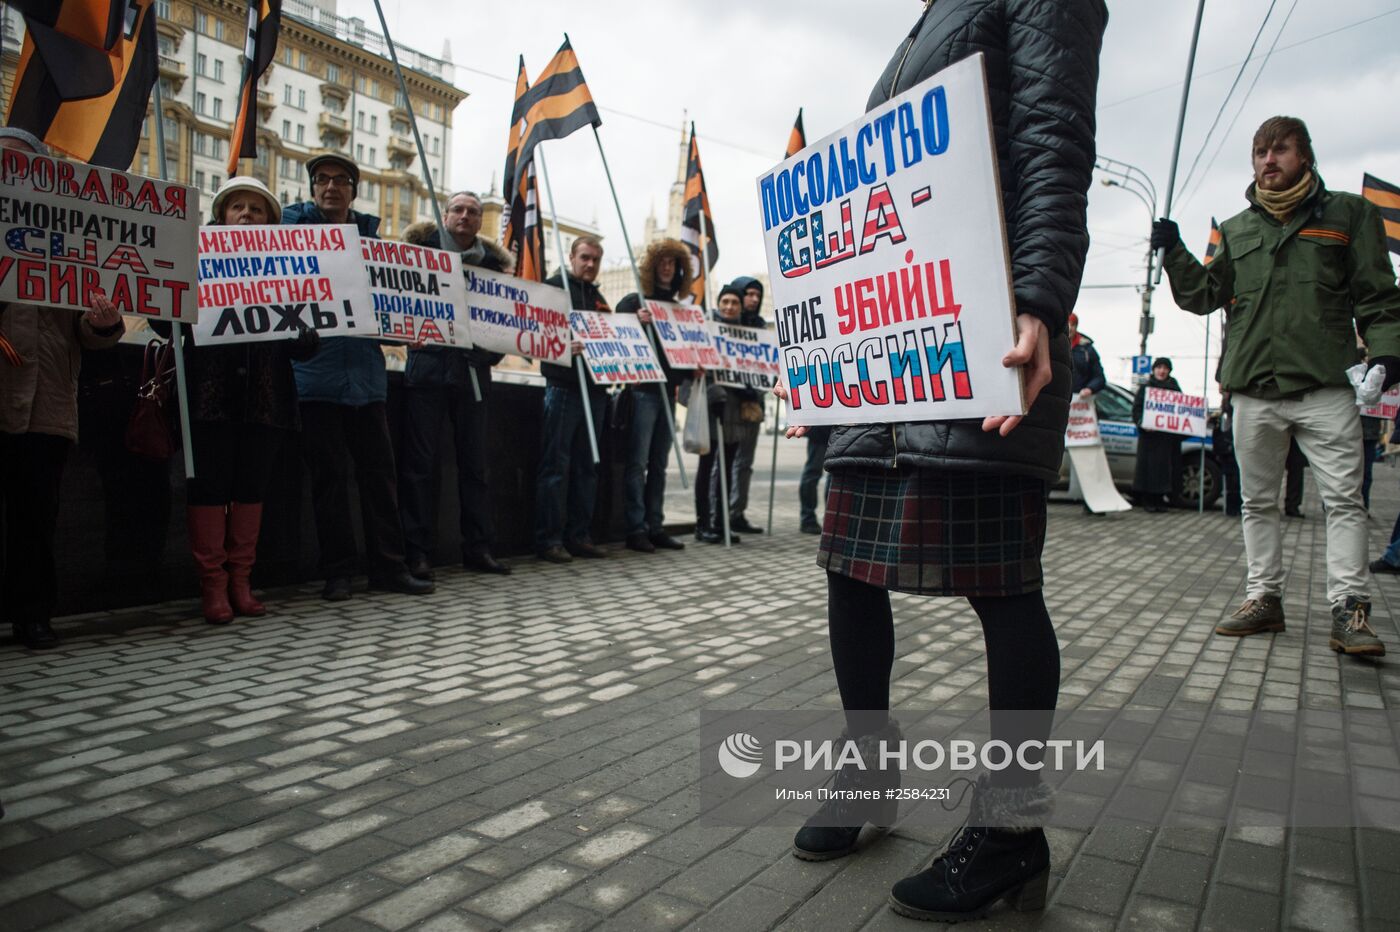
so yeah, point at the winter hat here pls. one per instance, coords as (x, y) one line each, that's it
(330, 157)
(1162, 361)
(245, 183)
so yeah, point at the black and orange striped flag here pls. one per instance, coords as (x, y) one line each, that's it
(84, 76)
(797, 139)
(264, 23)
(1213, 244)
(556, 106)
(697, 221)
(524, 234)
(1385, 196)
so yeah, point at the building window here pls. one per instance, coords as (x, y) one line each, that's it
(199, 144)
(218, 108)
(301, 134)
(332, 72)
(360, 83)
(287, 94)
(374, 87)
(286, 129)
(201, 103)
(360, 152)
(163, 9)
(218, 70)
(301, 61)
(360, 120)
(286, 54)
(199, 179)
(371, 155)
(213, 182)
(219, 29)
(201, 22)
(301, 100)
(374, 124)
(201, 64)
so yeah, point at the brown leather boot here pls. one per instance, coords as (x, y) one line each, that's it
(207, 525)
(243, 524)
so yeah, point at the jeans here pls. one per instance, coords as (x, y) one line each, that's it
(811, 477)
(648, 447)
(422, 440)
(568, 480)
(741, 470)
(1328, 430)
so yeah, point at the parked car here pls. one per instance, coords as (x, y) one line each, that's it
(1119, 433)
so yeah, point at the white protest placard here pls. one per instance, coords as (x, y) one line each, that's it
(516, 316)
(887, 254)
(416, 293)
(1083, 427)
(615, 349)
(684, 334)
(1174, 412)
(748, 355)
(266, 282)
(1387, 407)
(68, 229)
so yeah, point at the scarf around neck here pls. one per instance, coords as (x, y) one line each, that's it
(1281, 204)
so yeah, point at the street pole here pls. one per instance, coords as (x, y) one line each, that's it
(1205, 394)
(1181, 122)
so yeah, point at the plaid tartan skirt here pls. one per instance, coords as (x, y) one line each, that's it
(935, 532)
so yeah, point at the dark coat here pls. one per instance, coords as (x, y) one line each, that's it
(244, 383)
(583, 296)
(675, 290)
(1158, 453)
(1088, 370)
(346, 370)
(444, 366)
(1042, 75)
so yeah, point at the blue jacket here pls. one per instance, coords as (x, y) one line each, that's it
(347, 370)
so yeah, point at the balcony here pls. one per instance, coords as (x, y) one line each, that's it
(266, 104)
(333, 91)
(402, 151)
(335, 127)
(173, 70)
(400, 115)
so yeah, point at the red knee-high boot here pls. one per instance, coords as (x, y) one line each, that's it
(207, 527)
(243, 524)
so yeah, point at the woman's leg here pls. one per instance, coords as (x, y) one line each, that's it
(861, 628)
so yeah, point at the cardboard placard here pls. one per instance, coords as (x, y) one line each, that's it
(519, 317)
(416, 293)
(1172, 412)
(748, 355)
(615, 349)
(1083, 427)
(684, 334)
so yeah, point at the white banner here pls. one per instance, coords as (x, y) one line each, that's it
(1083, 427)
(68, 229)
(748, 355)
(519, 317)
(265, 282)
(615, 349)
(416, 293)
(684, 334)
(1174, 413)
(887, 254)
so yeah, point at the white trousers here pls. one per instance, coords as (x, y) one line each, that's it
(1327, 426)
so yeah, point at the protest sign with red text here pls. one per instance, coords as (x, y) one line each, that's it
(516, 316)
(1387, 407)
(1083, 427)
(684, 334)
(1174, 412)
(748, 355)
(615, 349)
(416, 293)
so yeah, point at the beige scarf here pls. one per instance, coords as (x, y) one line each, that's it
(1281, 204)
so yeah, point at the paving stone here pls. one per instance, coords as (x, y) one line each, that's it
(509, 899)
(1234, 909)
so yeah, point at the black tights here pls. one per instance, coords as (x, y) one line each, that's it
(1023, 656)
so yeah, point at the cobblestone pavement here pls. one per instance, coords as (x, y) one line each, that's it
(521, 752)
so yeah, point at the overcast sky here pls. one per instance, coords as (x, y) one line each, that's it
(740, 70)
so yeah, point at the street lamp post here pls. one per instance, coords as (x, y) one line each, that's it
(1135, 181)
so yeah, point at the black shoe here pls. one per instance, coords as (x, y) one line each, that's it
(640, 543)
(980, 867)
(337, 589)
(481, 560)
(1293, 512)
(35, 635)
(832, 831)
(420, 568)
(811, 527)
(586, 550)
(555, 554)
(712, 536)
(663, 541)
(742, 525)
(1380, 566)
(403, 582)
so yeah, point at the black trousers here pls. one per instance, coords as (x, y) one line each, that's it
(335, 438)
(423, 412)
(232, 462)
(31, 466)
(707, 490)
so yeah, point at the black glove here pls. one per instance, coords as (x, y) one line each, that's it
(1392, 368)
(306, 344)
(1165, 234)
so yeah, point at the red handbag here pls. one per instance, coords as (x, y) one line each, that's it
(148, 429)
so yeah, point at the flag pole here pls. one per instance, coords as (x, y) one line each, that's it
(1205, 394)
(564, 275)
(1180, 124)
(664, 387)
(709, 300)
(773, 466)
(177, 336)
(422, 160)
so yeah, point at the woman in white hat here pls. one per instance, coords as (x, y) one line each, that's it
(243, 403)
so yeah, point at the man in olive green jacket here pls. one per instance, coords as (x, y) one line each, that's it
(1306, 269)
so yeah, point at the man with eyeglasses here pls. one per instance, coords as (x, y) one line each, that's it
(342, 392)
(438, 379)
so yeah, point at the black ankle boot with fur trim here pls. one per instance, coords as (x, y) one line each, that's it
(833, 830)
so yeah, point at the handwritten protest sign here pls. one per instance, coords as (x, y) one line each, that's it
(512, 315)
(68, 229)
(684, 335)
(748, 355)
(1174, 413)
(416, 293)
(615, 349)
(888, 256)
(259, 283)
(1083, 427)
(1387, 407)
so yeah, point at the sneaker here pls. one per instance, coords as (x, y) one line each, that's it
(640, 543)
(1380, 566)
(1351, 629)
(1253, 617)
(555, 554)
(586, 549)
(664, 541)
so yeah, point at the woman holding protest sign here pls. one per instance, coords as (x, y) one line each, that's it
(1158, 453)
(725, 414)
(243, 403)
(958, 508)
(40, 356)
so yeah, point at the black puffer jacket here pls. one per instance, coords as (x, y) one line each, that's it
(1042, 74)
